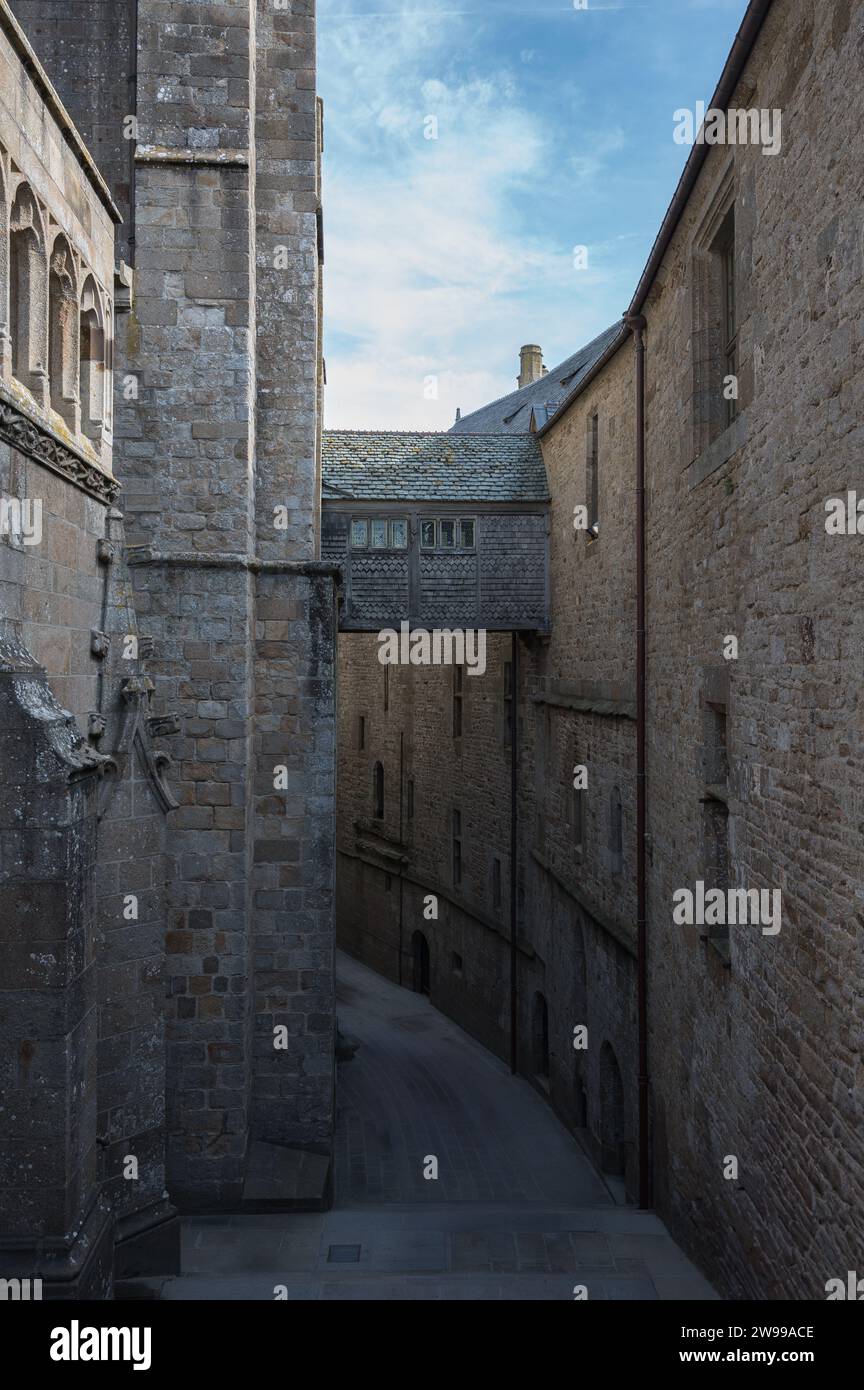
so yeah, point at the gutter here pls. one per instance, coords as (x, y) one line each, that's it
(739, 53)
(616, 344)
(514, 854)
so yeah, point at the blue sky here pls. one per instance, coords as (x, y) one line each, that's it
(554, 131)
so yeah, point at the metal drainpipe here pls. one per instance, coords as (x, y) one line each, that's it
(133, 170)
(514, 825)
(401, 844)
(637, 323)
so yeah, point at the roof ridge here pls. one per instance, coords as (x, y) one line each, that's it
(508, 395)
(434, 434)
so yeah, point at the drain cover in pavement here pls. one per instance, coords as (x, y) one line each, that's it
(343, 1254)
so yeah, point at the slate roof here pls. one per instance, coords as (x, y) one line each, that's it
(380, 466)
(512, 414)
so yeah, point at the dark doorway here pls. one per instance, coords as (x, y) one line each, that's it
(421, 963)
(611, 1113)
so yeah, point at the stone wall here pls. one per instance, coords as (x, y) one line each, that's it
(761, 1060)
(579, 702)
(387, 866)
(217, 399)
(82, 870)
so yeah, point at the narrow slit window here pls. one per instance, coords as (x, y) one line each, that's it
(593, 477)
(730, 323)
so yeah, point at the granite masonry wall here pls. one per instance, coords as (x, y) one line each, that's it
(388, 865)
(82, 872)
(209, 126)
(755, 1048)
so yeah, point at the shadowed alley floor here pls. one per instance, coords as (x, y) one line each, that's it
(516, 1212)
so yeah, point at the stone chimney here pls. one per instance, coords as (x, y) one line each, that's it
(531, 364)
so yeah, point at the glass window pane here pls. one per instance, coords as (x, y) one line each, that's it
(427, 535)
(379, 535)
(448, 532)
(467, 537)
(359, 534)
(399, 534)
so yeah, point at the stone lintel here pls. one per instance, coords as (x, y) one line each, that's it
(201, 158)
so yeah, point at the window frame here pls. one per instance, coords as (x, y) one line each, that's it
(438, 544)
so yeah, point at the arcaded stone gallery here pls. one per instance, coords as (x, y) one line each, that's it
(369, 797)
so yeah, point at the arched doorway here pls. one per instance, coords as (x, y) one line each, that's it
(421, 963)
(540, 1035)
(611, 1113)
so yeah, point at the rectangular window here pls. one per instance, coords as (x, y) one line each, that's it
(361, 732)
(359, 534)
(399, 535)
(714, 322)
(410, 798)
(447, 532)
(496, 884)
(379, 535)
(457, 701)
(593, 479)
(427, 535)
(466, 534)
(457, 847)
(716, 757)
(715, 834)
(730, 319)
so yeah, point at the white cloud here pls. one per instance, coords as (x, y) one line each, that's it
(430, 268)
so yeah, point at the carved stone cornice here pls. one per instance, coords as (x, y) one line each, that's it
(38, 441)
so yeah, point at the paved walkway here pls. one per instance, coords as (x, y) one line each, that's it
(516, 1212)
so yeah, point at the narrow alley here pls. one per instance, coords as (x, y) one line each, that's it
(516, 1211)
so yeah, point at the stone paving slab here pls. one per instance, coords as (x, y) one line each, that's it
(546, 1243)
(383, 1288)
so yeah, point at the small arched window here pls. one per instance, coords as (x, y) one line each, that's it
(92, 354)
(616, 831)
(378, 791)
(63, 333)
(28, 295)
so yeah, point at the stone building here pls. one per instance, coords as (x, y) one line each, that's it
(168, 646)
(746, 735)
